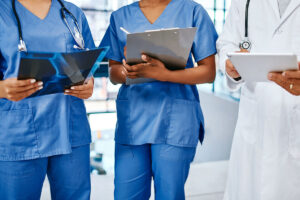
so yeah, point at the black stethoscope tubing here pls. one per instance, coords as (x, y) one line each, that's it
(246, 18)
(246, 43)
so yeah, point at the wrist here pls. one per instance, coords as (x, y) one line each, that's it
(165, 76)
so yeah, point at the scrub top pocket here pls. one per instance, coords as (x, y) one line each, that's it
(17, 134)
(123, 115)
(294, 132)
(80, 128)
(185, 123)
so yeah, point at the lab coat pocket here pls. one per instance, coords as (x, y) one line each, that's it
(184, 122)
(247, 124)
(17, 132)
(294, 132)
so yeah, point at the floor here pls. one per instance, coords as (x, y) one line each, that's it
(206, 182)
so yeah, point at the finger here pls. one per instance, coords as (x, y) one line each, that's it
(24, 88)
(80, 87)
(20, 83)
(280, 80)
(148, 59)
(126, 66)
(244, 51)
(133, 74)
(291, 74)
(82, 92)
(78, 95)
(91, 81)
(231, 67)
(25, 94)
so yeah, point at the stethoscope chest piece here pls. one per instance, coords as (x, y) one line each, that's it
(22, 46)
(245, 44)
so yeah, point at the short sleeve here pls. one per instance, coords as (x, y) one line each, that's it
(86, 33)
(111, 39)
(206, 36)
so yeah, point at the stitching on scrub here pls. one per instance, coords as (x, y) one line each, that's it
(169, 108)
(36, 135)
(19, 158)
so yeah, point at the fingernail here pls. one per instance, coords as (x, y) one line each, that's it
(67, 91)
(283, 73)
(40, 83)
(72, 88)
(32, 81)
(144, 57)
(40, 87)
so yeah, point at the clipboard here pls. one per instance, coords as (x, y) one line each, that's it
(255, 67)
(60, 71)
(171, 46)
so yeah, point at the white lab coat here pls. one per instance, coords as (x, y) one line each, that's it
(265, 157)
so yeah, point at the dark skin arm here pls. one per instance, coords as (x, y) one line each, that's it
(152, 68)
(117, 72)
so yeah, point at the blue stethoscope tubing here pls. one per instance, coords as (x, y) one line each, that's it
(77, 37)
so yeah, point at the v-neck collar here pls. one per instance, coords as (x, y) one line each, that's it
(35, 16)
(161, 15)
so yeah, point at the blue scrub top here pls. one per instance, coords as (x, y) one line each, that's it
(47, 125)
(160, 112)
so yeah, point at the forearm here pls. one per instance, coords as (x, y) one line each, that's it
(117, 74)
(197, 75)
(2, 90)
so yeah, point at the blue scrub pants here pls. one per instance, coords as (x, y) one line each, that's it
(69, 177)
(136, 165)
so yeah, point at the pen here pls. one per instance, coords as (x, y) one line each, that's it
(124, 30)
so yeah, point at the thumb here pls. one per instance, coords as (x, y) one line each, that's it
(148, 59)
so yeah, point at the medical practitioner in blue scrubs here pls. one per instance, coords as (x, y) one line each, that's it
(46, 135)
(159, 123)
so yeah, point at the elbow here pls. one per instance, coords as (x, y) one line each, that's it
(113, 80)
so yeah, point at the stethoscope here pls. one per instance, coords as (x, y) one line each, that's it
(63, 11)
(246, 43)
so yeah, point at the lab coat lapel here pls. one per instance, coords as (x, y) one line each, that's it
(294, 4)
(275, 8)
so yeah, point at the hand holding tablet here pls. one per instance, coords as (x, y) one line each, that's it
(255, 67)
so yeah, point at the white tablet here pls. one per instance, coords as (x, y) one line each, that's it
(254, 67)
